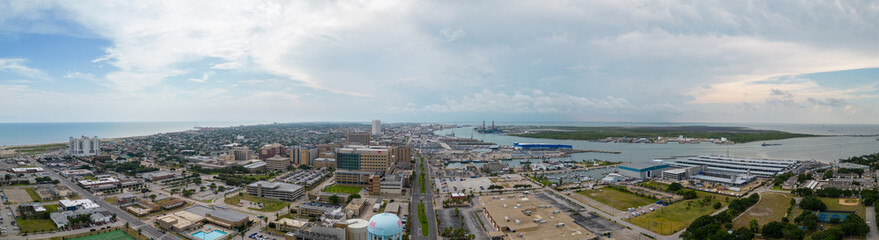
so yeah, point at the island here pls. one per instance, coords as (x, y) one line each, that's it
(658, 134)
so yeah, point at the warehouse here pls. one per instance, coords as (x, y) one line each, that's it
(737, 165)
(642, 170)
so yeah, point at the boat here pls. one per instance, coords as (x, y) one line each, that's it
(770, 144)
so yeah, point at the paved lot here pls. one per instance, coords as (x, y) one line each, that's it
(17, 195)
(458, 184)
(585, 219)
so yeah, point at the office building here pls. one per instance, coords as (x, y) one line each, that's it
(376, 127)
(359, 138)
(303, 156)
(240, 153)
(277, 163)
(374, 158)
(738, 165)
(84, 146)
(270, 150)
(369, 180)
(275, 190)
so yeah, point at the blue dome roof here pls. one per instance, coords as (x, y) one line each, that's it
(385, 224)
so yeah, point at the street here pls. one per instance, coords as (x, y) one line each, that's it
(427, 199)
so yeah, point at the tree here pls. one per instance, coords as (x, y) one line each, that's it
(138, 233)
(717, 205)
(690, 195)
(674, 187)
(755, 226)
(792, 232)
(742, 234)
(334, 199)
(812, 203)
(152, 197)
(828, 174)
(272, 225)
(773, 229)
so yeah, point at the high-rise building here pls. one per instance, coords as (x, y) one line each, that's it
(270, 150)
(376, 127)
(84, 146)
(303, 156)
(240, 153)
(358, 138)
(373, 159)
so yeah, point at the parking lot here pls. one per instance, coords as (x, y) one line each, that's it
(17, 195)
(459, 184)
(305, 178)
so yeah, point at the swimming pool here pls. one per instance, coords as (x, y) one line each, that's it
(209, 236)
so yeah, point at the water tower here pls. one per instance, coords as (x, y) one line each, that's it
(385, 226)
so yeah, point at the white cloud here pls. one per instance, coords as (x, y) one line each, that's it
(452, 34)
(17, 66)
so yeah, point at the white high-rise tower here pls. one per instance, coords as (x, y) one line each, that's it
(376, 127)
(84, 146)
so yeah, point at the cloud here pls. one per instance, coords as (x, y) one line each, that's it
(537, 101)
(17, 66)
(203, 79)
(452, 34)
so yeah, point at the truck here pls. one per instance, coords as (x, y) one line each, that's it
(376, 207)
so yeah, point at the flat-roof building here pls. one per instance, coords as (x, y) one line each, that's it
(531, 218)
(642, 170)
(275, 190)
(277, 163)
(738, 165)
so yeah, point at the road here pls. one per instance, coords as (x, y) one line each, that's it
(427, 199)
(149, 231)
(871, 218)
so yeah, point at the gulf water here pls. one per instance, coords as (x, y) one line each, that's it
(40, 133)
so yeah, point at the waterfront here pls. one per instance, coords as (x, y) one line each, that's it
(823, 149)
(42, 133)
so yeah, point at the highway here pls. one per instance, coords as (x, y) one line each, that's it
(427, 199)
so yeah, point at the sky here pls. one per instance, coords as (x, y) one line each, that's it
(285, 61)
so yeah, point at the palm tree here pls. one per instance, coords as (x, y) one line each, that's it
(138, 233)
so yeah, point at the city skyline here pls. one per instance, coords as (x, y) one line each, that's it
(542, 61)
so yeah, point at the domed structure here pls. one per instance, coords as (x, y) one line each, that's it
(385, 226)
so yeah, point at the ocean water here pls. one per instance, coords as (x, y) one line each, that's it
(39, 133)
(825, 149)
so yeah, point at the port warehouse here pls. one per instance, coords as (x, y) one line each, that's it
(737, 165)
(540, 146)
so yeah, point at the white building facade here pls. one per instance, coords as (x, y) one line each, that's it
(84, 146)
(376, 127)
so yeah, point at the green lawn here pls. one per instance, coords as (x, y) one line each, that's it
(655, 185)
(772, 207)
(422, 217)
(342, 189)
(675, 217)
(833, 204)
(34, 196)
(616, 198)
(51, 208)
(271, 205)
(113, 235)
(35, 225)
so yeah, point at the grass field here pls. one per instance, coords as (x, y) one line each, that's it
(342, 189)
(35, 225)
(271, 205)
(114, 235)
(33, 194)
(655, 185)
(616, 198)
(833, 204)
(772, 207)
(673, 218)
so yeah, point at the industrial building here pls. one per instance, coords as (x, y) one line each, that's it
(678, 174)
(275, 190)
(737, 165)
(642, 170)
